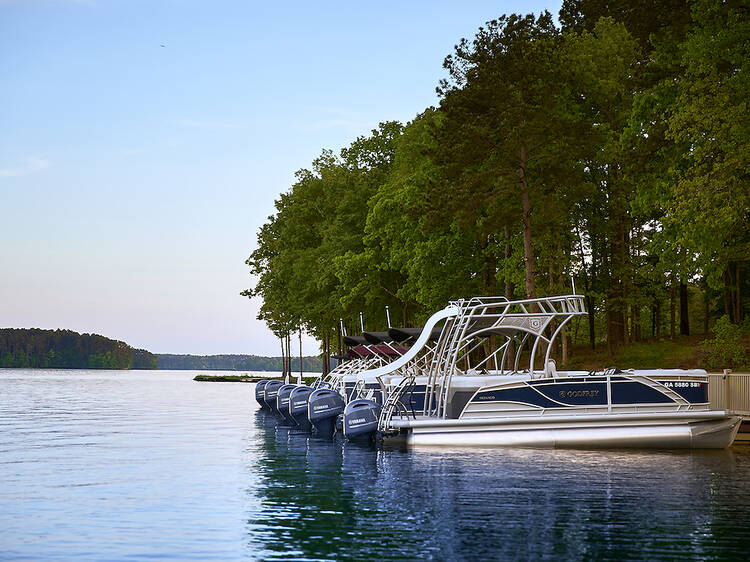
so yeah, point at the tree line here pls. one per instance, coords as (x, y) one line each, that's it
(66, 349)
(613, 150)
(238, 363)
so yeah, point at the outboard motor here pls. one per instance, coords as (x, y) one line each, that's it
(271, 391)
(299, 400)
(338, 425)
(260, 394)
(323, 407)
(361, 419)
(282, 403)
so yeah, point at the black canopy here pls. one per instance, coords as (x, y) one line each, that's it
(351, 341)
(403, 334)
(377, 337)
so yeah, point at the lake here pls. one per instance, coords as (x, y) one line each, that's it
(124, 465)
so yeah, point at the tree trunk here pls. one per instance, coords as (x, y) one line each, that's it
(490, 266)
(684, 318)
(705, 306)
(528, 247)
(737, 299)
(614, 304)
(325, 354)
(728, 304)
(636, 323)
(624, 237)
(508, 282)
(592, 325)
(289, 353)
(672, 308)
(658, 318)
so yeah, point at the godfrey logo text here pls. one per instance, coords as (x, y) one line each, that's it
(578, 393)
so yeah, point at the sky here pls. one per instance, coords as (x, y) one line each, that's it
(143, 143)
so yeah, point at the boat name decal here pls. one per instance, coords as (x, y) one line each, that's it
(578, 393)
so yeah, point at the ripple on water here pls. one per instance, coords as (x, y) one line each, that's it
(124, 465)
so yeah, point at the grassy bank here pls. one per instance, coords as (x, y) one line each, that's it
(684, 352)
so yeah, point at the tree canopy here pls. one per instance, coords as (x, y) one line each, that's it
(614, 149)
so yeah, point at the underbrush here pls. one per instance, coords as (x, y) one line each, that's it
(684, 352)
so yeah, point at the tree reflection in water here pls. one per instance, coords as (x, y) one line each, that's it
(324, 499)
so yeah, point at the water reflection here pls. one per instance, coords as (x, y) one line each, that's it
(322, 499)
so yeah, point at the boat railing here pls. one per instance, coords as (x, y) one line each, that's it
(526, 322)
(393, 403)
(730, 391)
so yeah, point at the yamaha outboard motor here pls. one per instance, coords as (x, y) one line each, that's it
(324, 405)
(260, 394)
(282, 403)
(299, 399)
(361, 419)
(271, 391)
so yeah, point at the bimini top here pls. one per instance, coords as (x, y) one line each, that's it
(377, 337)
(404, 334)
(353, 341)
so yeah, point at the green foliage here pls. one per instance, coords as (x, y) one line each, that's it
(614, 149)
(711, 115)
(725, 350)
(65, 349)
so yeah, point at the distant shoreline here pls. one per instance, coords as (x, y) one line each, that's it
(35, 348)
(245, 378)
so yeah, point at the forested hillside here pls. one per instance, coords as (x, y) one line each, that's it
(65, 349)
(614, 149)
(236, 363)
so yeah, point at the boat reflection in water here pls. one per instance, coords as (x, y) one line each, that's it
(326, 499)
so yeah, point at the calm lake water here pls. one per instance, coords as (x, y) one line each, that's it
(143, 465)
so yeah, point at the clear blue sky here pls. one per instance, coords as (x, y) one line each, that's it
(134, 176)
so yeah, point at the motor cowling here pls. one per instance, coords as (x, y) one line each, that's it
(361, 419)
(323, 407)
